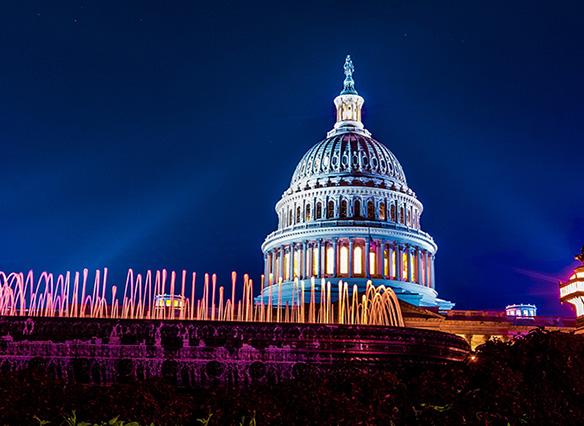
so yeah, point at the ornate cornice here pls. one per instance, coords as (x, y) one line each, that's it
(398, 234)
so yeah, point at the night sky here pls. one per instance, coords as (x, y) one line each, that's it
(161, 134)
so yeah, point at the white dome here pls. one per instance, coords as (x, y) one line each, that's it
(349, 155)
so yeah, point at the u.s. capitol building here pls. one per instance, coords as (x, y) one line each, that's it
(350, 215)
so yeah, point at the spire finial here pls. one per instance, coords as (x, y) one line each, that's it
(349, 83)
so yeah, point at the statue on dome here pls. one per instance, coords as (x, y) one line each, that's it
(349, 67)
(349, 83)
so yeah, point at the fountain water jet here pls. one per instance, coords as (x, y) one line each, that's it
(46, 296)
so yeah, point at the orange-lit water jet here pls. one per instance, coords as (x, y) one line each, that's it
(146, 297)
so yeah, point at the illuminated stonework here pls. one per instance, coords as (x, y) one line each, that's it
(349, 215)
(572, 291)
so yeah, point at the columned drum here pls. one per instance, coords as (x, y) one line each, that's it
(349, 215)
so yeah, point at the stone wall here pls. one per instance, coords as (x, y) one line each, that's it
(189, 353)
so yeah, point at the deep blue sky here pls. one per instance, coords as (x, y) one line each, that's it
(161, 134)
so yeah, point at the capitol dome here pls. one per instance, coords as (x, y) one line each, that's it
(349, 156)
(349, 215)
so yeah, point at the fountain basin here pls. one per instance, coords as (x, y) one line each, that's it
(193, 353)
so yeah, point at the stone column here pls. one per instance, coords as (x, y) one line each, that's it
(410, 252)
(432, 273)
(266, 267)
(281, 265)
(309, 259)
(367, 248)
(304, 271)
(390, 251)
(399, 263)
(291, 262)
(335, 256)
(419, 260)
(324, 256)
(427, 269)
(379, 258)
(350, 258)
(273, 259)
(320, 257)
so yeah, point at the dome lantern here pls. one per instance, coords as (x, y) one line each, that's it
(349, 105)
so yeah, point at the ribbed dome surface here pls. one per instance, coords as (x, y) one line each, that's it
(349, 154)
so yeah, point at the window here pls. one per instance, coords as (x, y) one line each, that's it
(286, 266)
(401, 215)
(290, 217)
(330, 209)
(382, 215)
(297, 263)
(392, 213)
(358, 260)
(405, 265)
(386, 263)
(343, 209)
(344, 260)
(315, 259)
(370, 210)
(307, 214)
(330, 260)
(414, 266)
(298, 214)
(372, 265)
(318, 214)
(357, 209)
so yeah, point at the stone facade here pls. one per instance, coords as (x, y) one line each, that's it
(189, 353)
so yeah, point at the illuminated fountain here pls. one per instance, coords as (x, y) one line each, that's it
(80, 329)
(163, 295)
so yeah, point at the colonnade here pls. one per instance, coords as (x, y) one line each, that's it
(350, 258)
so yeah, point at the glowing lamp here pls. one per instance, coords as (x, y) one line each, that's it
(572, 291)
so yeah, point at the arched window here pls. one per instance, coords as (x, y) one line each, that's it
(357, 209)
(330, 260)
(298, 214)
(318, 214)
(370, 210)
(296, 265)
(358, 260)
(286, 266)
(343, 209)
(402, 218)
(385, 262)
(315, 260)
(330, 209)
(372, 262)
(382, 215)
(290, 217)
(392, 213)
(344, 260)
(307, 214)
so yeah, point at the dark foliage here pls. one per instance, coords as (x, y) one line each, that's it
(537, 379)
